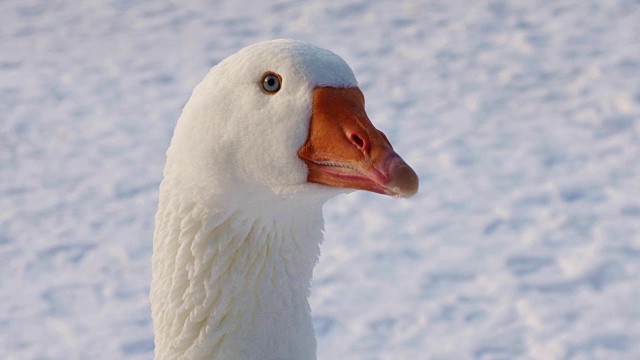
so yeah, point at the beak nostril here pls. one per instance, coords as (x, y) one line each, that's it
(357, 141)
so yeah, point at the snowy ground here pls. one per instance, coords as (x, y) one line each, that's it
(522, 119)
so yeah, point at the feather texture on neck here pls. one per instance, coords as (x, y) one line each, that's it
(231, 285)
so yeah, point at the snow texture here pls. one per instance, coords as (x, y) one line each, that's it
(522, 119)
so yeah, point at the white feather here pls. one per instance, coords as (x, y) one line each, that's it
(238, 227)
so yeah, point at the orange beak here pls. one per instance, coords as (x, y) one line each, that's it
(344, 149)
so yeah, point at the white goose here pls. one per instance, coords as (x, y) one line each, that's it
(269, 135)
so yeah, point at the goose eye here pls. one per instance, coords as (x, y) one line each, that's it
(271, 83)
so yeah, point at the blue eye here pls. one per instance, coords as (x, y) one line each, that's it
(271, 83)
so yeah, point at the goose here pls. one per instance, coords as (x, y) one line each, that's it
(269, 135)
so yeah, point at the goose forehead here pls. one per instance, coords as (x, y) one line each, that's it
(319, 67)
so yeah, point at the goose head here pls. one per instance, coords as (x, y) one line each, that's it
(283, 118)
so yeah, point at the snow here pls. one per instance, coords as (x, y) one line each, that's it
(521, 118)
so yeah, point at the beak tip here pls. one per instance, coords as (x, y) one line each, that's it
(403, 180)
